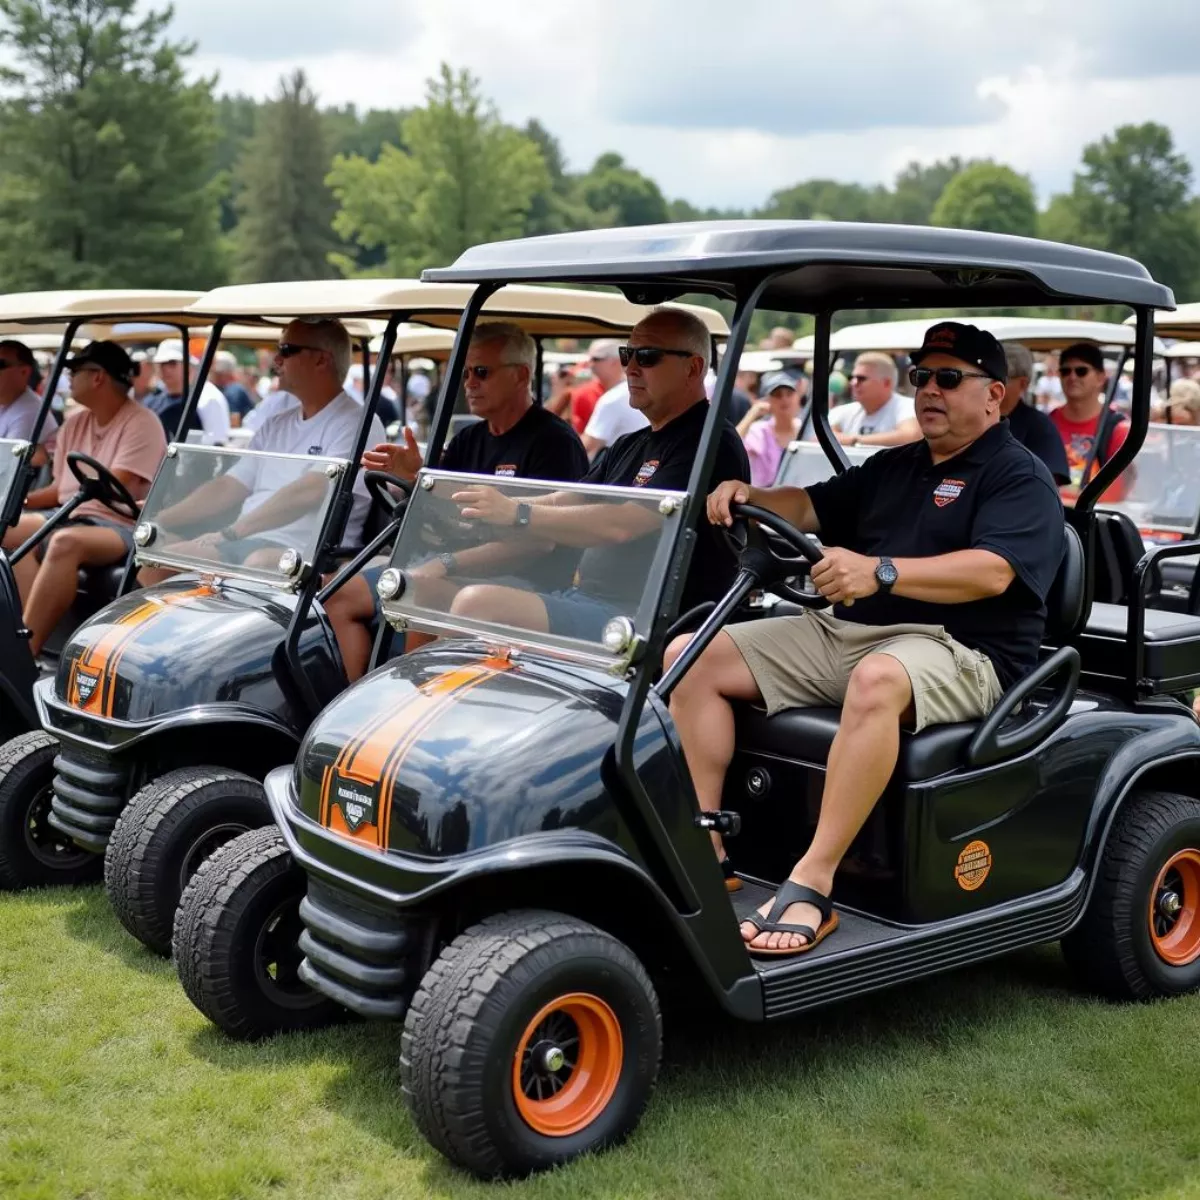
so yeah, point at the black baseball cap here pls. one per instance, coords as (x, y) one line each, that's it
(109, 357)
(1085, 352)
(968, 343)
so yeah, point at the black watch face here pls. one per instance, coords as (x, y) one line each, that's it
(886, 573)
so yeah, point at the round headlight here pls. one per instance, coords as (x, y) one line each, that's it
(289, 562)
(617, 635)
(143, 535)
(390, 585)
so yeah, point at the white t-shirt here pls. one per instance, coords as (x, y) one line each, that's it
(213, 411)
(854, 419)
(1048, 391)
(18, 418)
(331, 434)
(613, 416)
(271, 404)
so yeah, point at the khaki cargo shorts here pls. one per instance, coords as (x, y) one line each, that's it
(805, 662)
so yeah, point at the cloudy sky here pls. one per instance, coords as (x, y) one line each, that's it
(722, 102)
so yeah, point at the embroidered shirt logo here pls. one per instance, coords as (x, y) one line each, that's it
(645, 473)
(507, 469)
(948, 491)
(314, 450)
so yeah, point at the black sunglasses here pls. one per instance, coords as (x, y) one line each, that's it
(947, 378)
(291, 349)
(5, 364)
(1078, 372)
(648, 356)
(482, 372)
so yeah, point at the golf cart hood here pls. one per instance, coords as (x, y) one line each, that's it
(447, 751)
(181, 646)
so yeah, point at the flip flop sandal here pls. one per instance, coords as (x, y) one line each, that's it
(793, 893)
(732, 882)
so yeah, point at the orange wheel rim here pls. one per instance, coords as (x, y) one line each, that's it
(1175, 910)
(567, 1064)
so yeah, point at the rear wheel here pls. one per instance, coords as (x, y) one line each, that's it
(533, 1038)
(32, 852)
(237, 934)
(1140, 936)
(163, 835)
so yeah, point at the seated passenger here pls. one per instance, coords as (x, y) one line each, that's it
(276, 509)
(877, 414)
(211, 415)
(19, 401)
(1030, 426)
(123, 436)
(515, 438)
(939, 556)
(665, 362)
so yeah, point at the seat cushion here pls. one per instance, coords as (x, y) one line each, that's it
(1172, 646)
(807, 734)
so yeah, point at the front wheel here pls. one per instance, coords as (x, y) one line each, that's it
(534, 1038)
(32, 852)
(237, 941)
(1140, 935)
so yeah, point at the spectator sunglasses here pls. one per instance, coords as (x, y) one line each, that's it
(649, 356)
(947, 378)
(481, 372)
(291, 349)
(1078, 371)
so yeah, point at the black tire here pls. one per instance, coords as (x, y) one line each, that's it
(1118, 948)
(236, 947)
(475, 1008)
(32, 852)
(163, 835)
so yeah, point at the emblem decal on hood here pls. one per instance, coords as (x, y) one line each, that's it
(358, 801)
(85, 685)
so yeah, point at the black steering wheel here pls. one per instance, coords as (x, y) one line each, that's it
(99, 483)
(758, 532)
(380, 483)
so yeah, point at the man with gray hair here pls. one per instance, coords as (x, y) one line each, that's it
(1029, 425)
(877, 414)
(224, 375)
(513, 437)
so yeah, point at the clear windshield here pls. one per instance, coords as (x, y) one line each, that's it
(805, 463)
(13, 454)
(237, 512)
(471, 564)
(1162, 489)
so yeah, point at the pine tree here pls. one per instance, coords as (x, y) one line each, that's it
(106, 177)
(285, 208)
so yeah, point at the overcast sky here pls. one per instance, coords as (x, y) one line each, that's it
(722, 102)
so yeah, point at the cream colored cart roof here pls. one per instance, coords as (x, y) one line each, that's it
(1183, 322)
(1183, 350)
(105, 306)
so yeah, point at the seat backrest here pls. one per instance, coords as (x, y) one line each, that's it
(1064, 604)
(1119, 548)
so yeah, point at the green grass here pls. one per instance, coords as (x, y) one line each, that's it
(997, 1082)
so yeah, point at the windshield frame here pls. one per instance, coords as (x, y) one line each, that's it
(1157, 532)
(13, 495)
(146, 556)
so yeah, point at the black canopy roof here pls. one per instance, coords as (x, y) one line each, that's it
(833, 265)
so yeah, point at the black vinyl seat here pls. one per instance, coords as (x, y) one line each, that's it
(807, 733)
(1172, 647)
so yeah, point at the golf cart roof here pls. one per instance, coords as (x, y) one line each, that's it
(261, 336)
(1184, 322)
(418, 339)
(1183, 350)
(547, 312)
(1038, 333)
(825, 265)
(773, 360)
(104, 306)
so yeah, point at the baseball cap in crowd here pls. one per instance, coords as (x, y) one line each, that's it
(968, 343)
(774, 380)
(224, 361)
(170, 350)
(1084, 352)
(603, 348)
(21, 353)
(109, 357)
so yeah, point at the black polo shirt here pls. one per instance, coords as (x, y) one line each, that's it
(539, 446)
(1031, 427)
(995, 495)
(663, 458)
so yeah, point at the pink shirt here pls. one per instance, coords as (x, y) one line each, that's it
(132, 441)
(764, 451)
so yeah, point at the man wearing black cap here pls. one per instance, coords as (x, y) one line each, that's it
(939, 556)
(1090, 432)
(123, 436)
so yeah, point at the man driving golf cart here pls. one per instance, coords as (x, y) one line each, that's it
(939, 555)
(122, 436)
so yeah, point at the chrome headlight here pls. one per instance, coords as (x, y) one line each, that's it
(617, 635)
(143, 535)
(290, 562)
(390, 585)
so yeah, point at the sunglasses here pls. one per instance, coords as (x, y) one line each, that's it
(861, 378)
(291, 349)
(648, 356)
(5, 364)
(1078, 372)
(947, 378)
(481, 372)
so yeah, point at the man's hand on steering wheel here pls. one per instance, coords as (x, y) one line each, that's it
(843, 576)
(732, 491)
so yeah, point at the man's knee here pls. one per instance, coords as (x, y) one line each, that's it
(476, 600)
(65, 545)
(879, 682)
(711, 672)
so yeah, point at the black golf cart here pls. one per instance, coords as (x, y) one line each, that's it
(171, 704)
(499, 839)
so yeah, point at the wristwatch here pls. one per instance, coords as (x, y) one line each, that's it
(886, 573)
(448, 561)
(523, 512)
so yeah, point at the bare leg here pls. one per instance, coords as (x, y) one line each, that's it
(502, 606)
(54, 589)
(700, 706)
(861, 761)
(350, 610)
(24, 572)
(149, 576)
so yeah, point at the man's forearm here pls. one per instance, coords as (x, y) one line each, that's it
(297, 499)
(905, 432)
(206, 501)
(956, 578)
(46, 497)
(592, 524)
(791, 503)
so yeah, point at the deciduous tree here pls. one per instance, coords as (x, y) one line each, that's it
(990, 197)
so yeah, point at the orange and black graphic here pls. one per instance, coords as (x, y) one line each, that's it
(356, 789)
(974, 865)
(92, 683)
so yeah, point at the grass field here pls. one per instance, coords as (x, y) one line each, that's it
(998, 1082)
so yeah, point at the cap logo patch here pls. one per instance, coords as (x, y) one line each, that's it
(941, 339)
(509, 470)
(645, 473)
(948, 491)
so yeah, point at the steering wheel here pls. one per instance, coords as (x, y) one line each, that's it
(99, 483)
(380, 483)
(763, 537)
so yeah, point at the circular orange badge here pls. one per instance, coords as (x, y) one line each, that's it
(973, 866)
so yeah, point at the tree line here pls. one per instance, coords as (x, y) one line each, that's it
(120, 172)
